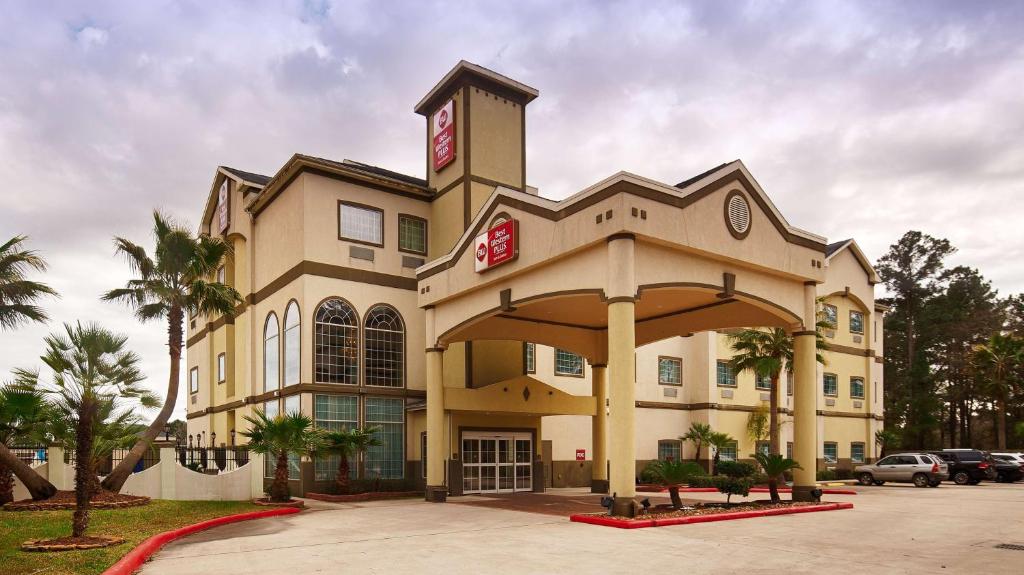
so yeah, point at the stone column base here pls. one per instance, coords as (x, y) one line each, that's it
(804, 493)
(624, 507)
(599, 486)
(436, 493)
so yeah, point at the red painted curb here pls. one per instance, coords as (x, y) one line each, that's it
(655, 489)
(638, 523)
(136, 557)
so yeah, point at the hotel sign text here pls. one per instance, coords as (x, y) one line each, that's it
(496, 246)
(444, 135)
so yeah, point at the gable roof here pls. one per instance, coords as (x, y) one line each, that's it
(835, 248)
(247, 177)
(385, 172)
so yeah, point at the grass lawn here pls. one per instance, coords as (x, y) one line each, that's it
(134, 524)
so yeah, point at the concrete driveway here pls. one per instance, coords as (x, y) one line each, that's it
(893, 529)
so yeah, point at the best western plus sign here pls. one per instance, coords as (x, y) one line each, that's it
(498, 245)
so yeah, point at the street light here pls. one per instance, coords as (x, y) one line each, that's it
(190, 441)
(167, 431)
(213, 439)
(232, 437)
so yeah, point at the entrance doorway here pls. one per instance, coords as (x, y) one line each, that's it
(497, 462)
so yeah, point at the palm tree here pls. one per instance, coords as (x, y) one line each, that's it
(17, 306)
(719, 440)
(176, 282)
(22, 414)
(673, 474)
(92, 372)
(765, 352)
(999, 359)
(279, 436)
(699, 434)
(346, 443)
(774, 466)
(886, 439)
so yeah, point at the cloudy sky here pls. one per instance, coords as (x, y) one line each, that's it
(861, 119)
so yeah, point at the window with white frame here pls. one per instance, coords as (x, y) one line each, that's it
(362, 224)
(292, 344)
(334, 413)
(387, 460)
(763, 382)
(412, 234)
(725, 376)
(830, 382)
(857, 387)
(831, 452)
(221, 367)
(384, 347)
(857, 452)
(670, 371)
(336, 337)
(764, 447)
(292, 405)
(789, 382)
(669, 450)
(193, 380)
(271, 351)
(728, 452)
(856, 322)
(568, 363)
(530, 357)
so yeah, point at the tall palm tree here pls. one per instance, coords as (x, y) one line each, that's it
(177, 281)
(23, 412)
(999, 359)
(699, 434)
(18, 297)
(719, 440)
(766, 352)
(345, 444)
(279, 436)
(92, 371)
(774, 466)
(673, 474)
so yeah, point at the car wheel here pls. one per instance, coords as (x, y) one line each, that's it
(866, 479)
(920, 480)
(934, 483)
(876, 482)
(961, 478)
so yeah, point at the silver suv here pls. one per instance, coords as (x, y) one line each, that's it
(921, 469)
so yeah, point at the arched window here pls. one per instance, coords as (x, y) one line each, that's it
(384, 347)
(336, 336)
(292, 346)
(271, 354)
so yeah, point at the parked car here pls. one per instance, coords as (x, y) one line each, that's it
(1018, 457)
(1007, 470)
(967, 466)
(921, 469)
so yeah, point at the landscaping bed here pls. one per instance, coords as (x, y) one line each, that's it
(266, 502)
(368, 496)
(703, 513)
(66, 500)
(663, 489)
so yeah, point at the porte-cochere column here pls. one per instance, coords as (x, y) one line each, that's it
(805, 396)
(622, 371)
(599, 430)
(436, 490)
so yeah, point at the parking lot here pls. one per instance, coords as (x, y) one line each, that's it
(892, 529)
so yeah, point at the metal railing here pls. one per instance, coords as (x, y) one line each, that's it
(210, 459)
(150, 458)
(32, 455)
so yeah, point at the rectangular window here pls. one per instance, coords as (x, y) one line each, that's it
(272, 409)
(831, 452)
(412, 234)
(193, 380)
(728, 452)
(387, 460)
(789, 450)
(670, 371)
(831, 315)
(221, 368)
(789, 382)
(856, 322)
(725, 375)
(763, 447)
(831, 384)
(362, 224)
(530, 357)
(669, 450)
(857, 452)
(568, 363)
(292, 405)
(334, 413)
(763, 382)
(222, 276)
(857, 387)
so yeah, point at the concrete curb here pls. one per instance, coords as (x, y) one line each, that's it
(136, 557)
(826, 491)
(606, 521)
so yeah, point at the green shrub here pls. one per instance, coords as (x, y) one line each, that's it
(826, 475)
(736, 469)
(736, 479)
(702, 481)
(647, 476)
(844, 473)
(730, 486)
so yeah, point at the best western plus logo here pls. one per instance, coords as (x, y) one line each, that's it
(498, 245)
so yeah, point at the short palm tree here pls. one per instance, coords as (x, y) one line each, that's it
(279, 436)
(999, 359)
(18, 297)
(92, 372)
(765, 352)
(886, 439)
(673, 474)
(719, 440)
(699, 434)
(174, 282)
(23, 413)
(774, 466)
(345, 444)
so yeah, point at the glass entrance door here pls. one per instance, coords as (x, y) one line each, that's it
(497, 462)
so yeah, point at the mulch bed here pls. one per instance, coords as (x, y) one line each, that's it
(369, 496)
(66, 500)
(702, 513)
(71, 543)
(265, 502)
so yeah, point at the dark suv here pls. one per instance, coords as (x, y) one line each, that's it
(967, 466)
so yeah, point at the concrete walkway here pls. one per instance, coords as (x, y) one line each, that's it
(893, 529)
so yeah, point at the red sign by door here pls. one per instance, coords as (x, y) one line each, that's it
(444, 135)
(581, 455)
(496, 246)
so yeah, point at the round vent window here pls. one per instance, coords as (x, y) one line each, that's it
(737, 214)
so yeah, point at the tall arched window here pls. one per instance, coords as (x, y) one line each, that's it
(271, 354)
(336, 338)
(384, 347)
(292, 346)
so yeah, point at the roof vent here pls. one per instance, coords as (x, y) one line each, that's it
(737, 214)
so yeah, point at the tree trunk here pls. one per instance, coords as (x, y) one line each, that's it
(279, 488)
(342, 479)
(38, 487)
(6, 484)
(773, 417)
(773, 490)
(115, 481)
(673, 493)
(83, 469)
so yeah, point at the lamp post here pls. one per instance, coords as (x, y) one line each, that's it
(167, 431)
(213, 439)
(232, 437)
(190, 441)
